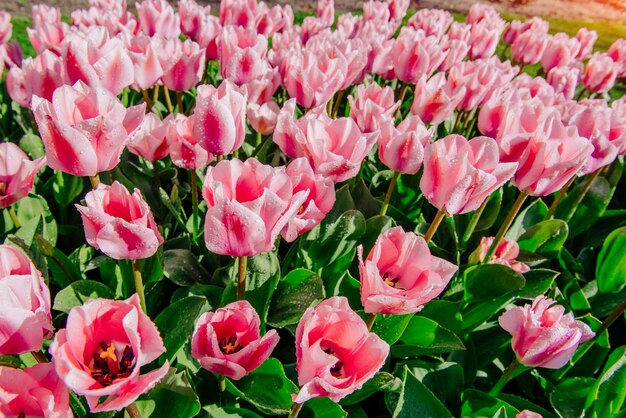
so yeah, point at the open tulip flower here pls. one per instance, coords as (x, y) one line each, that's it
(17, 173)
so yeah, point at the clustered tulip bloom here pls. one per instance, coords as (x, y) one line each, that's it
(17, 173)
(505, 253)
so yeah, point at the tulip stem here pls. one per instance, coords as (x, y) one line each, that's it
(146, 98)
(370, 321)
(505, 225)
(405, 87)
(95, 181)
(168, 100)
(40, 357)
(506, 376)
(579, 198)
(139, 285)
(617, 312)
(14, 218)
(473, 222)
(241, 276)
(295, 410)
(392, 186)
(337, 102)
(434, 225)
(259, 138)
(222, 383)
(457, 120)
(179, 101)
(133, 411)
(558, 199)
(155, 94)
(194, 201)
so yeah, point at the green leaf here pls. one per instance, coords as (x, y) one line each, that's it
(32, 145)
(213, 294)
(172, 397)
(425, 336)
(521, 403)
(267, 388)
(538, 282)
(391, 327)
(611, 265)
(491, 211)
(66, 188)
(322, 408)
(481, 404)
(229, 412)
(175, 323)
(35, 216)
(417, 401)
(79, 292)
(568, 398)
(606, 397)
(183, 268)
(297, 291)
(545, 238)
(374, 227)
(530, 216)
(443, 379)
(382, 381)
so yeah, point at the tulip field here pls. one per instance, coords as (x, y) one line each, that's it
(222, 213)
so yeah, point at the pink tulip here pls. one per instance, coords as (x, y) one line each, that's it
(100, 352)
(528, 48)
(6, 28)
(25, 319)
(410, 60)
(12, 54)
(431, 21)
(192, 17)
(617, 52)
(35, 391)
(157, 17)
(336, 354)
(318, 203)
(242, 53)
(182, 63)
(617, 133)
(238, 13)
(184, 148)
(561, 51)
(400, 275)
(228, 341)
(543, 335)
(528, 414)
(402, 148)
(326, 11)
(505, 254)
(480, 12)
(261, 90)
(263, 117)
(119, 224)
(476, 78)
(146, 65)
(600, 73)
(372, 106)
(397, 9)
(435, 99)
(97, 60)
(220, 125)
(587, 39)
(17, 173)
(49, 35)
(460, 32)
(455, 51)
(516, 28)
(460, 174)
(151, 140)
(379, 59)
(39, 76)
(112, 16)
(484, 37)
(42, 13)
(208, 36)
(564, 80)
(248, 205)
(553, 154)
(84, 129)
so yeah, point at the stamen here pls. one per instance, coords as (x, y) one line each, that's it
(230, 345)
(391, 281)
(337, 370)
(107, 368)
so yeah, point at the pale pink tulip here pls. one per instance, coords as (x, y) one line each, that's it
(192, 17)
(157, 17)
(600, 73)
(435, 99)
(402, 148)
(528, 48)
(17, 173)
(561, 51)
(146, 64)
(617, 52)
(48, 35)
(587, 39)
(506, 254)
(182, 63)
(263, 117)
(151, 140)
(431, 21)
(242, 54)
(564, 80)
(372, 106)
(6, 29)
(39, 76)
(184, 148)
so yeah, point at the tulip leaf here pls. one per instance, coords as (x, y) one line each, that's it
(267, 388)
(606, 397)
(172, 397)
(425, 336)
(182, 267)
(545, 238)
(443, 379)
(416, 400)
(568, 398)
(64, 270)
(176, 322)
(491, 211)
(296, 292)
(66, 188)
(481, 404)
(229, 412)
(35, 216)
(538, 282)
(32, 145)
(521, 403)
(322, 408)
(529, 216)
(611, 265)
(79, 292)
(391, 327)
(374, 227)
(382, 381)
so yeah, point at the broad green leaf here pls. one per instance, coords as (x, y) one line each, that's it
(322, 408)
(529, 216)
(481, 404)
(79, 292)
(607, 395)
(491, 211)
(545, 238)
(374, 227)
(66, 188)
(172, 397)
(32, 145)
(391, 327)
(417, 401)
(35, 216)
(611, 265)
(296, 292)
(229, 412)
(382, 381)
(538, 282)
(425, 336)
(444, 380)
(176, 322)
(568, 398)
(183, 268)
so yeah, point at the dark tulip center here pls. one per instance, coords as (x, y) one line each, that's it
(337, 369)
(391, 281)
(230, 345)
(107, 366)
(3, 188)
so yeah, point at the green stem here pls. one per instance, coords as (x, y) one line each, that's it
(505, 226)
(95, 181)
(506, 376)
(473, 222)
(558, 199)
(405, 87)
(337, 102)
(14, 218)
(139, 284)
(222, 383)
(295, 410)
(168, 100)
(434, 225)
(617, 312)
(155, 94)
(241, 277)
(581, 195)
(457, 121)
(133, 411)
(219, 158)
(259, 138)
(146, 98)
(179, 101)
(40, 357)
(194, 200)
(392, 186)
(370, 321)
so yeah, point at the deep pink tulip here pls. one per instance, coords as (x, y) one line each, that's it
(146, 64)
(157, 17)
(184, 148)
(435, 99)
(151, 140)
(12, 54)
(192, 17)
(263, 117)
(600, 73)
(543, 335)
(617, 52)
(17, 173)
(402, 148)
(336, 354)
(6, 29)
(564, 80)
(372, 106)
(182, 63)
(410, 59)
(528, 48)
(35, 391)
(506, 254)
(587, 39)
(617, 134)
(248, 205)
(318, 203)
(38, 76)
(25, 319)
(100, 352)
(400, 275)
(220, 125)
(561, 51)
(242, 54)
(460, 174)
(49, 35)
(84, 129)
(119, 224)
(228, 341)
(431, 21)
(517, 27)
